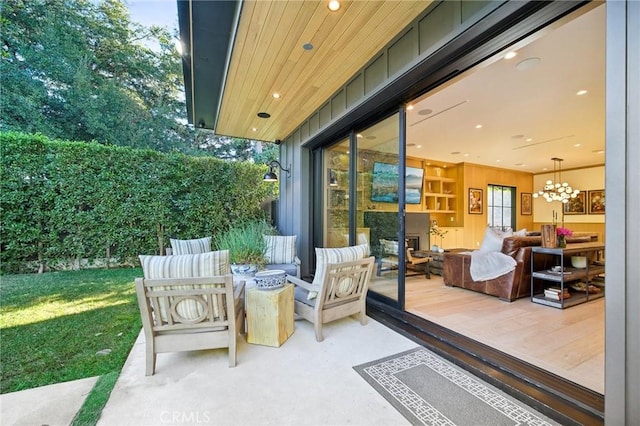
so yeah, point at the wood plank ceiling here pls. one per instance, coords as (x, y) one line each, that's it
(268, 57)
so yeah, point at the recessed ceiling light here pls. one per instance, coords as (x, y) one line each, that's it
(466, 154)
(425, 111)
(428, 164)
(528, 139)
(527, 64)
(333, 5)
(276, 95)
(444, 166)
(581, 92)
(478, 126)
(418, 146)
(497, 161)
(598, 151)
(545, 168)
(264, 115)
(510, 55)
(307, 46)
(254, 129)
(359, 135)
(577, 145)
(409, 107)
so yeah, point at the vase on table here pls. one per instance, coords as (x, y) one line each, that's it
(562, 241)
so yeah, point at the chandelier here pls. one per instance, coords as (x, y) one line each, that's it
(558, 190)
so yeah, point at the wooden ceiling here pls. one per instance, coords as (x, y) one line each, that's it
(268, 57)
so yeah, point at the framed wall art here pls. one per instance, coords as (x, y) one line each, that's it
(576, 205)
(596, 201)
(525, 203)
(475, 201)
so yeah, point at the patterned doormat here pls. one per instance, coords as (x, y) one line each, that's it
(428, 390)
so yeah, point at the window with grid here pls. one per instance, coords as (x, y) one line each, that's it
(501, 202)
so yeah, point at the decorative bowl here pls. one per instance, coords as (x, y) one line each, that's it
(243, 269)
(579, 261)
(270, 279)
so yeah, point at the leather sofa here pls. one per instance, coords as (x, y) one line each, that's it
(512, 285)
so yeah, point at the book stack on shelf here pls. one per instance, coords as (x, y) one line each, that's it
(556, 293)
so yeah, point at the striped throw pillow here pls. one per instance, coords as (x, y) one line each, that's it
(213, 263)
(195, 246)
(280, 249)
(325, 256)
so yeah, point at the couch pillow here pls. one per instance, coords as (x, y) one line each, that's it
(493, 239)
(195, 246)
(521, 233)
(325, 256)
(280, 249)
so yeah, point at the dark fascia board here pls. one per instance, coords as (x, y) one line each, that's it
(207, 31)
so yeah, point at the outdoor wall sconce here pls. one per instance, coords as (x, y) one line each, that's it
(271, 176)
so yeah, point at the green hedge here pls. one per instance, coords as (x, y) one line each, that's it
(75, 200)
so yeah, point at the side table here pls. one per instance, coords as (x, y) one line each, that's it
(270, 315)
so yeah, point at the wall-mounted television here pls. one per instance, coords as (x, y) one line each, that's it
(384, 185)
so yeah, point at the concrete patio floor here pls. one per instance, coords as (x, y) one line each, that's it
(303, 382)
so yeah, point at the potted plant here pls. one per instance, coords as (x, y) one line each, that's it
(437, 232)
(246, 246)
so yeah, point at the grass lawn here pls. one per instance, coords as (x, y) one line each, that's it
(53, 325)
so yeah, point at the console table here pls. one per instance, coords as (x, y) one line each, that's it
(567, 275)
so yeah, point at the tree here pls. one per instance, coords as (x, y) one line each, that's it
(78, 70)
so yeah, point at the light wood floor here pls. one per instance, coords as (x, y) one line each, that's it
(569, 342)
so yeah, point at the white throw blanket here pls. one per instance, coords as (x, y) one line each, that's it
(487, 265)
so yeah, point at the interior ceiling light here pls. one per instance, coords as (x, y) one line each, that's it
(359, 135)
(598, 151)
(276, 95)
(478, 126)
(307, 46)
(254, 129)
(510, 55)
(264, 115)
(333, 5)
(418, 146)
(581, 92)
(527, 64)
(556, 190)
(577, 145)
(409, 107)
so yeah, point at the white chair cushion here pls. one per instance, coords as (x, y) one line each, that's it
(280, 249)
(195, 246)
(213, 263)
(325, 256)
